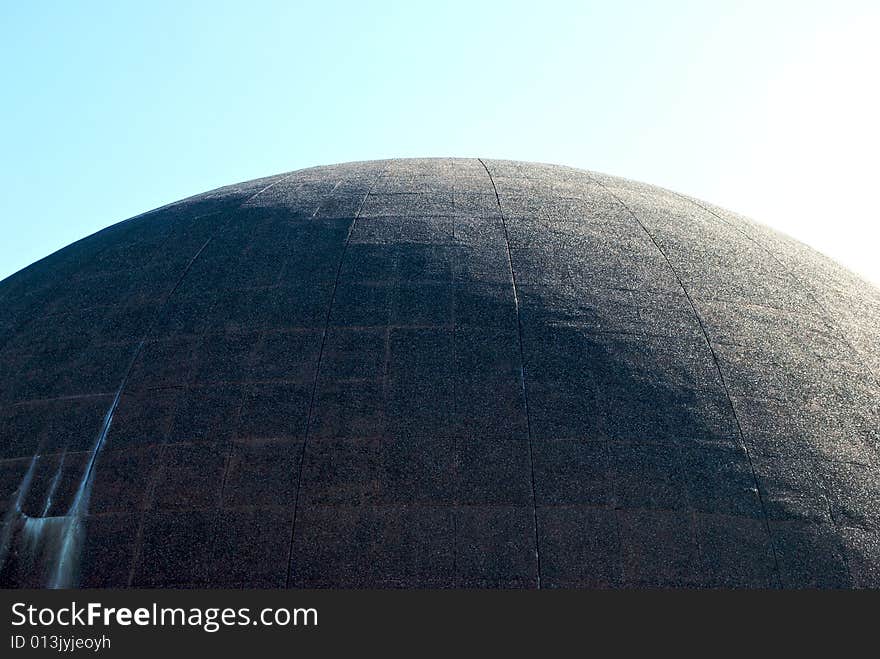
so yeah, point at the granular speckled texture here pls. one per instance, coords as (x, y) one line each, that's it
(439, 373)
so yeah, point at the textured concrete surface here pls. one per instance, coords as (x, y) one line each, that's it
(439, 373)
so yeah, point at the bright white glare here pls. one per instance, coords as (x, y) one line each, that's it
(814, 171)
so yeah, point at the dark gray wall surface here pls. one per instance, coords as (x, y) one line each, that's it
(439, 373)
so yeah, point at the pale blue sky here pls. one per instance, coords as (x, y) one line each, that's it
(110, 109)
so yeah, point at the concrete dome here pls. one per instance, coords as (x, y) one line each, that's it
(439, 373)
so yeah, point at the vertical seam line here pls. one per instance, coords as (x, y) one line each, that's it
(522, 370)
(828, 317)
(717, 367)
(302, 457)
